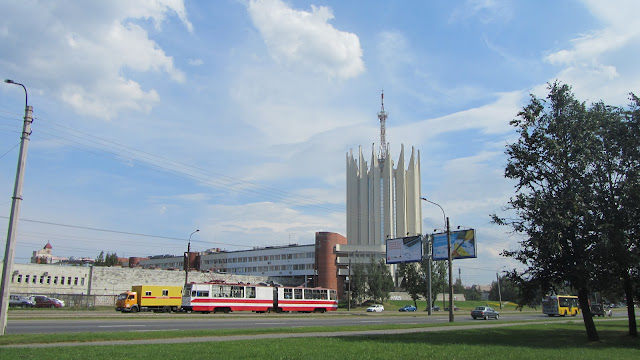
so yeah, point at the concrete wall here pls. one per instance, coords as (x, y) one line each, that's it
(47, 279)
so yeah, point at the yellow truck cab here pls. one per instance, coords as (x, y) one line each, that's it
(150, 298)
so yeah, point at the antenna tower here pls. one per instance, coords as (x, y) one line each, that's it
(382, 115)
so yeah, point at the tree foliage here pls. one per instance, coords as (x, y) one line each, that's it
(108, 260)
(413, 280)
(574, 185)
(507, 290)
(379, 281)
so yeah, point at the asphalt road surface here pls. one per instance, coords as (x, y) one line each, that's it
(83, 321)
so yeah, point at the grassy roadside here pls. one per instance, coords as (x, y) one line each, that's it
(534, 341)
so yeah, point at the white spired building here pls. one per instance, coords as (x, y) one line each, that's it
(383, 202)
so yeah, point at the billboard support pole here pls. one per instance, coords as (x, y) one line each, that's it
(430, 300)
(450, 272)
(446, 222)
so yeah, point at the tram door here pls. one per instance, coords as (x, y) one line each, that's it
(275, 298)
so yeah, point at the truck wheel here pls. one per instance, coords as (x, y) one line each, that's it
(166, 309)
(134, 309)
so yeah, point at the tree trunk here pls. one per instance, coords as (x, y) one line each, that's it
(590, 326)
(631, 312)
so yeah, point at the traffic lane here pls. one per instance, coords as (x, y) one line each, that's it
(185, 323)
(244, 322)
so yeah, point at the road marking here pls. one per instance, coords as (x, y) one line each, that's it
(371, 321)
(119, 326)
(271, 323)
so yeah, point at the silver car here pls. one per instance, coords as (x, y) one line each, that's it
(484, 312)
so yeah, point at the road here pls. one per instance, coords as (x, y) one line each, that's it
(83, 321)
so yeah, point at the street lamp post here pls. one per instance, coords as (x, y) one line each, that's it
(15, 209)
(349, 292)
(498, 280)
(187, 259)
(446, 222)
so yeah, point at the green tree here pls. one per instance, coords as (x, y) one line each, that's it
(413, 280)
(507, 290)
(552, 163)
(473, 293)
(108, 260)
(358, 283)
(100, 259)
(616, 189)
(458, 288)
(379, 281)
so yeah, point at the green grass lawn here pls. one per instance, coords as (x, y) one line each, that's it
(535, 341)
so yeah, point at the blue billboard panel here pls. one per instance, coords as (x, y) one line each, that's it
(463, 245)
(403, 250)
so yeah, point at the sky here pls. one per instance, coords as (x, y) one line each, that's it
(156, 118)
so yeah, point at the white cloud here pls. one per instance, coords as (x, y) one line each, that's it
(486, 11)
(306, 39)
(591, 64)
(81, 52)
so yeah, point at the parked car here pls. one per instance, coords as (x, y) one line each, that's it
(20, 301)
(484, 312)
(375, 308)
(61, 302)
(455, 308)
(408, 308)
(435, 308)
(46, 302)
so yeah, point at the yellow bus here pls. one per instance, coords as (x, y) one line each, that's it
(560, 305)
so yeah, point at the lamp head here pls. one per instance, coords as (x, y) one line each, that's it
(9, 81)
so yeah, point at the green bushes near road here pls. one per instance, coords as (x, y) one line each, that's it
(540, 341)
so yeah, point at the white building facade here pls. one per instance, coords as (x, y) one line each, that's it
(383, 202)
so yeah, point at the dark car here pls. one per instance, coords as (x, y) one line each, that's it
(45, 302)
(435, 308)
(597, 310)
(484, 312)
(19, 301)
(455, 308)
(407, 308)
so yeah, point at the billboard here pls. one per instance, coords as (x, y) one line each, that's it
(463, 245)
(402, 250)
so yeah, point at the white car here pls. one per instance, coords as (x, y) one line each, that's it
(375, 308)
(61, 302)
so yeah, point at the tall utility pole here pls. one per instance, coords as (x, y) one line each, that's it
(446, 223)
(187, 259)
(450, 272)
(15, 211)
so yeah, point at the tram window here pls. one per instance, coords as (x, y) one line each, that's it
(288, 293)
(297, 293)
(251, 292)
(237, 291)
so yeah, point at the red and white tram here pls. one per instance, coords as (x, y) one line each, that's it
(225, 297)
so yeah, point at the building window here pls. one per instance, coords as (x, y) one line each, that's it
(49, 279)
(55, 280)
(75, 281)
(61, 280)
(26, 279)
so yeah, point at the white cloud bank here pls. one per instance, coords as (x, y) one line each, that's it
(306, 39)
(80, 51)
